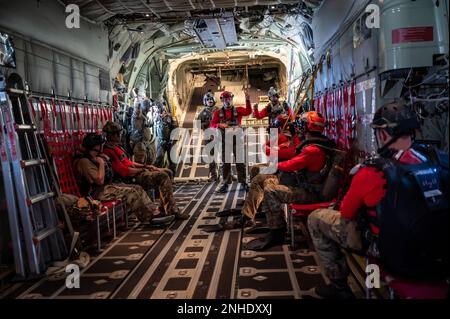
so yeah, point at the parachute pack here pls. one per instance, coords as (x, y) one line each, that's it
(330, 176)
(413, 216)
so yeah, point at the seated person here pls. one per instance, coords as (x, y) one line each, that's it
(288, 141)
(303, 186)
(394, 126)
(94, 177)
(286, 149)
(147, 176)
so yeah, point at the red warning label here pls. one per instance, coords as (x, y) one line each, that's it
(416, 34)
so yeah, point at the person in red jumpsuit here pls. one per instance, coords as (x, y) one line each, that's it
(394, 125)
(274, 109)
(147, 176)
(299, 179)
(228, 117)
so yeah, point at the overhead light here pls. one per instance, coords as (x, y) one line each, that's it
(147, 15)
(272, 7)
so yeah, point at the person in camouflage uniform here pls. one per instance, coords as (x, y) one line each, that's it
(147, 176)
(165, 125)
(141, 139)
(205, 118)
(94, 177)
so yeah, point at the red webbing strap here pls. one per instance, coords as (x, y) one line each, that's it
(79, 132)
(347, 119)
(53, 106)
(104, 115)
(325, 112)
(33, 112)
(318, 104)
(77, 115)
(62, 117)
(332, 118)
(110, 114)
(85, 117)
(97, 117)
(352, 112)
(45, 117)
(92, 128)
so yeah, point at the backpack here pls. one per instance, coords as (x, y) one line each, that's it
(330, 176)
(413, 217)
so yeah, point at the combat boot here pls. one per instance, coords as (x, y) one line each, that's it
(223, 189)
(182, 215)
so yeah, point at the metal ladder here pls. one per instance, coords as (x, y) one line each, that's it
(13, 216)
(42, 236)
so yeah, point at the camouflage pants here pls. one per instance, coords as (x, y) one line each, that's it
(255, 196)
(134, 196)
(329, 232)
(226, 167)
(161, 181)
(213, 164)
(144, 153)
(163, 153)
(276, 194)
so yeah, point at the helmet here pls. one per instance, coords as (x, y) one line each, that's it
(272, 92)
(93, 139)
(145, 105)
(397, 119)
(112, 127)
(280, 120)
(226, 95)
(312, 121)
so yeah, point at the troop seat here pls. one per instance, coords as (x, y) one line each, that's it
(300, 211)
(406, 288)
(63, 124)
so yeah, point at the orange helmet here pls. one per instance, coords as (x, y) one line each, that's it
(313, 121)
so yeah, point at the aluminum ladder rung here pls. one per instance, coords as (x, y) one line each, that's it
(30, 163)
(39, 197)
(44, 233)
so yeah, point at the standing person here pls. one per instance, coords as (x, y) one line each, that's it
(139, 123)
(165, 125)
(209, 96)
(230, 116)
(274, 109)
(94, 176)
(205, 118)
(148, 176)
(408, 228)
